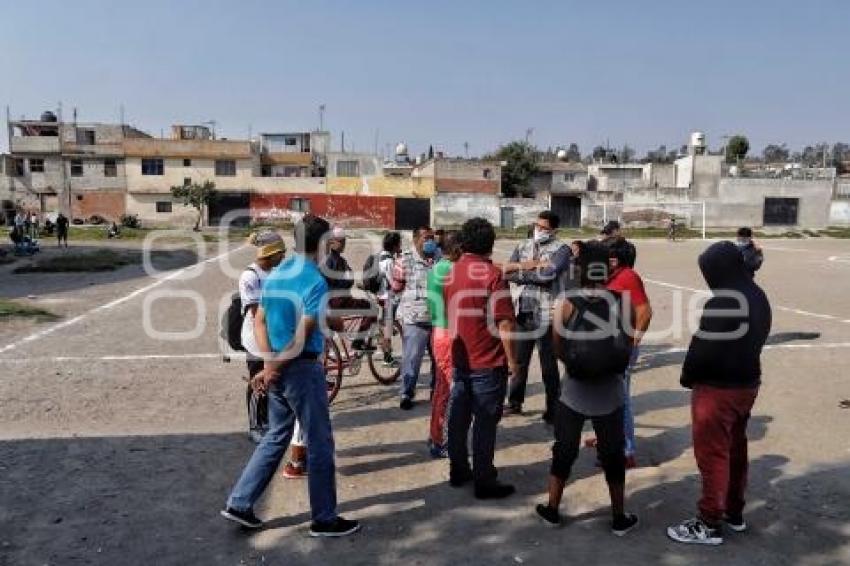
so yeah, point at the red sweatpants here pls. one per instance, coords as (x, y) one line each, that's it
(720, 445)
(442, 347)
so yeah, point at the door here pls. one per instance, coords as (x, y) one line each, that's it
(412, 213)
(568, 210)
(781, 211)
(233, 208)
(506, 217)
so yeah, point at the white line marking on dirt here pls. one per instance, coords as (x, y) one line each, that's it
(816, 346)
(111, 304)
(775, 307)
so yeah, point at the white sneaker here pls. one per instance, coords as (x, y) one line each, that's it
(695, 531)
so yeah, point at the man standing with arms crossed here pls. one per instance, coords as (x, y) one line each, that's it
(288, 332)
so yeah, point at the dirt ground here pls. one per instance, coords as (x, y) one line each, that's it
(118, 446)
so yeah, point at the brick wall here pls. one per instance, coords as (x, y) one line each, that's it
(353, 211)
(484, 186)
(108, 204)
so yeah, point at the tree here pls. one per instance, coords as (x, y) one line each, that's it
(197, 196)
(520, 165)
(599, 153)
(776, 153)
(737, 148)
(573, 153)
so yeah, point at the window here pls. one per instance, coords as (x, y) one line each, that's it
(290, 140)
(347, 168)
(299, 205)
(569, 177)
(36, 165)
(110, 168)
(486, 173)
(187, 163)
(152, 167)
(76, 168)
(225, 168)
(163, 206)
(291, 171)
(85, 137)
(18, 168)
(187, 181)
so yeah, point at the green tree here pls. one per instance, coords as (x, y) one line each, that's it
(774, 153)
(197, 196)
(737, 148)
(520, 164)
(573, 153)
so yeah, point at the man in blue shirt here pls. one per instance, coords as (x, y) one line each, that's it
(288, 333)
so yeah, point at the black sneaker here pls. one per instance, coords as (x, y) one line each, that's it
(494, 491)
(406, 404)
(245, 518)
(622, 524)
(549, 515)
(459, 479)
(736, 523)
(339, 527)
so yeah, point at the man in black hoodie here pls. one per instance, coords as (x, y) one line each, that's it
(723, 367)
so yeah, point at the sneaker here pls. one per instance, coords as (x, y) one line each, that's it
(736, 523)
(695, 531)
(406, 404)
(549, 515)
(294, 471)
(494, 490)
(622, 524)
(339, 527)
(512, 410)
(437, 450)
(245, 518)
(459, 479)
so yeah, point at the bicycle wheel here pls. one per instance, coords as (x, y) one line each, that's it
(333, 363)
(385, 359)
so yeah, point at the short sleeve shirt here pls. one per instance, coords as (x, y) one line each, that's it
(477, 300)
(294, 289)
(436, 300)
(250, 287)
(627, 282)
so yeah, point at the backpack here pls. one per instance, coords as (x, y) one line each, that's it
(596, 358)
(372, 273)
(232, 319)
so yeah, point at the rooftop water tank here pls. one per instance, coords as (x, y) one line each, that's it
(48, 116)
(401, 149)
(562, 155)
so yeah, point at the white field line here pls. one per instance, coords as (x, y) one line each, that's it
(105, 307)
(775, 307)
(239, 356)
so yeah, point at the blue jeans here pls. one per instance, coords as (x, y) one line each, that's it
(415, 342)
(299, 392)
(628, 415)
(476, 401)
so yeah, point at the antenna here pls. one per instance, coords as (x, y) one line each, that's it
(342, 142)
(75, 114)
(466, 149)
(321, 117)
(377, 133)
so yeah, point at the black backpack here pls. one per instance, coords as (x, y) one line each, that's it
(372, 273)
(602, 357)
(231, 321)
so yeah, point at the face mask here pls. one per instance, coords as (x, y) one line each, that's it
(429, 248)
(541, 236)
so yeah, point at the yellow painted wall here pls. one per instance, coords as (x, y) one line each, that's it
(422, 187)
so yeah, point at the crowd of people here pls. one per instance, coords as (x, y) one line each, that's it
(582, 303)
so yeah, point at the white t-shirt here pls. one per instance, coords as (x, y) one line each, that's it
(250, 286)
(385, 267)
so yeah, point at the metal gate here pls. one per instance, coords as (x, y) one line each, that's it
(237, 204)
(568, 209)
(412, 213)
(781, 211)
(506, 217)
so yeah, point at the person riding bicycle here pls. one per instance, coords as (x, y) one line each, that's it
(671, 230)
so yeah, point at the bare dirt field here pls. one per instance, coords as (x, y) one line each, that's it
(119, 442)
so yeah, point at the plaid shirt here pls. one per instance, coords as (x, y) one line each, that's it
(536, 288)
(409, 280)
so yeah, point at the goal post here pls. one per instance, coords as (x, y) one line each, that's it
(653, 214)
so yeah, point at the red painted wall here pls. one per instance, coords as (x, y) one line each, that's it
(353, 211)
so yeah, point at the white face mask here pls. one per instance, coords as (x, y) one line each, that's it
(541, 236)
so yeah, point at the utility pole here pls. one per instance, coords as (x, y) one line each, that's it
(528, 133)
(466, 149)
(321, 117)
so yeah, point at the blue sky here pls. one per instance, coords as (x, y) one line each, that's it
(435, 72)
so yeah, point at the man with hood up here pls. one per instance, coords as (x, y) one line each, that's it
(723, 367)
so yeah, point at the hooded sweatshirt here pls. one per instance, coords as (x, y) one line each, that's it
(732, 357)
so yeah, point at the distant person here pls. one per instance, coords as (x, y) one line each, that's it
(611, 230)
(440, 238)
(113, 231)
(442, 342)
(723, 367)
(410, 282)
(592, 387)
(481, 318)
(534, 310)
(340, 279)
(390, 251)
(288, 332)
(671, 230)
(750, 250)
(62, 224)
(34, 222)
(20, 220)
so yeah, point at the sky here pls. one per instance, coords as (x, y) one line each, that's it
(441, 73)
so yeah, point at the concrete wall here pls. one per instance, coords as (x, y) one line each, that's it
(659, 174)
(839, 213)
(452, 209)
(742, 201)
(416, 187)
(467, 176)
(701, 173)
(348, 210)
(200, 170)
(525, 209)
(144, 205)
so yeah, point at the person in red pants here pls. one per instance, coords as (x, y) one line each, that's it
(723, 367)
(441, 341)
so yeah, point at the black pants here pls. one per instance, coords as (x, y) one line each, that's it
(548, 364)
(258, 405)
(610, 442)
